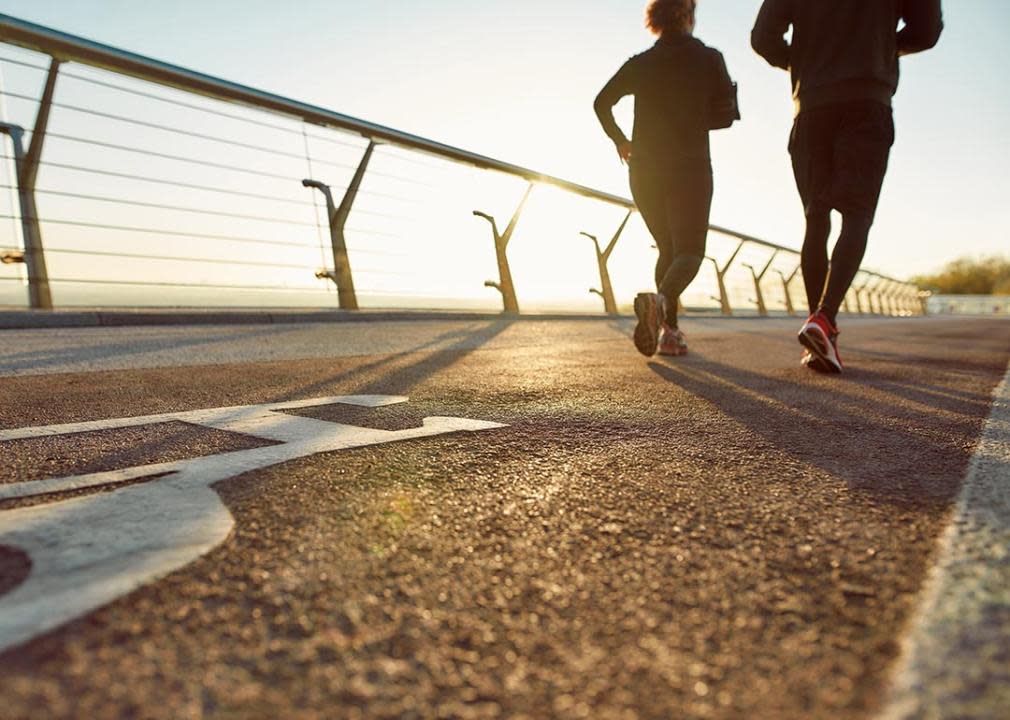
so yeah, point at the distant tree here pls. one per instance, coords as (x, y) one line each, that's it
(970, 276)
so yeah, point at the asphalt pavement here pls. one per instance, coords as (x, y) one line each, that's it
(726, 535)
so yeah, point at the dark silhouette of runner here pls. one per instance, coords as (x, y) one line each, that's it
(682, 90)
(843, 57)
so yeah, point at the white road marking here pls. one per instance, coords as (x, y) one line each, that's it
(956, 658)
(87, 552)
(198, 417)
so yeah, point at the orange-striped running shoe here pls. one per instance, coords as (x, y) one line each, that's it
(820, 337)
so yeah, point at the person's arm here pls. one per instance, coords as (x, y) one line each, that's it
(723, 108)
(769, 35)
(923, 25)
(621, 85)
(723, 82)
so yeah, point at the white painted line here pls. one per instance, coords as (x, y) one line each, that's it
(89, 551)
(955, 660)
(197, 417)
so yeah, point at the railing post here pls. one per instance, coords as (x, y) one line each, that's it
(786, 283)
(501, 242)
(602, 257)
(341, 274)
(720, 275)
(914, 304)
(894, 298)
(882, 299)
(758, 277)
(901, 298)
(875, 295)
(886, 299)
(911, 300)
(861, 295)
(27, 168)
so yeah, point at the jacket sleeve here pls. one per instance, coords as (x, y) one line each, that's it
(621, 85)
(768, 37)
(923, 25)
(723, 82)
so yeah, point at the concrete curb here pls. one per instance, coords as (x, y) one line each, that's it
(40, 319)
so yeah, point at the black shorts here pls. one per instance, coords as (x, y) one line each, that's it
(840, 155)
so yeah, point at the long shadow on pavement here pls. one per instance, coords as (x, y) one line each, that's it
(905, 452)
(399, 378)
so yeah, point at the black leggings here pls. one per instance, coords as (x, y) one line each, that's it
(675, 204)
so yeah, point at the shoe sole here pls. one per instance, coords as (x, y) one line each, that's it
(681, 351)
(813, 339)
(647, 330)
(815, 364)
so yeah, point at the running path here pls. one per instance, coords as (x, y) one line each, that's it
(724, 535)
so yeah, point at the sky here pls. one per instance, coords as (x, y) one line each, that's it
(516, 80)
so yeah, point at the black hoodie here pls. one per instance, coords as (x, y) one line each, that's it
(674, 83)
(844, 50)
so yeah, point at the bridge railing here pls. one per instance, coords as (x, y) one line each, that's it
(130, 181)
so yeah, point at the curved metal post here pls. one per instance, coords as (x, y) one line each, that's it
(862, 297)
(758, 277)
(606, 290)
(886, 304)
(877, 308)
(27, 167)
(501, 241)
(720, 275)
(894, 298)
(910, 300)
(341, 274)
(884, 295)
(787, 281)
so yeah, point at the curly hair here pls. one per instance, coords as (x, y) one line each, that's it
(670, 16)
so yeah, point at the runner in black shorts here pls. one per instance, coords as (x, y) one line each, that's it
(843, 58)
(682, 90)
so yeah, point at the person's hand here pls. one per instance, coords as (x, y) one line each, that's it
(624, 151)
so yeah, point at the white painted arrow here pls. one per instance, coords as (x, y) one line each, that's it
(89, 551)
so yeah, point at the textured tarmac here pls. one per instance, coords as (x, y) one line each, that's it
(723, 535)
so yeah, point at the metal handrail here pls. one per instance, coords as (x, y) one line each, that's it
(71, 48)
(63, 47)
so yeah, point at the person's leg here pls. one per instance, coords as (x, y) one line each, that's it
(845, 261)
(814, 256)
(811, 149)
(648, 192)
(689, 204)
(862, 147)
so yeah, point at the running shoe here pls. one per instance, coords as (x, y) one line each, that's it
(671, 341)
(820, 337)
(812, 362)
(650, 309)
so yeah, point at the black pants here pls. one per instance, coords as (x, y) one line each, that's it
(675, 203)
(840, 155)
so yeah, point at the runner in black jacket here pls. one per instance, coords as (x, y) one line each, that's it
(843, 58)
(676, 85)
